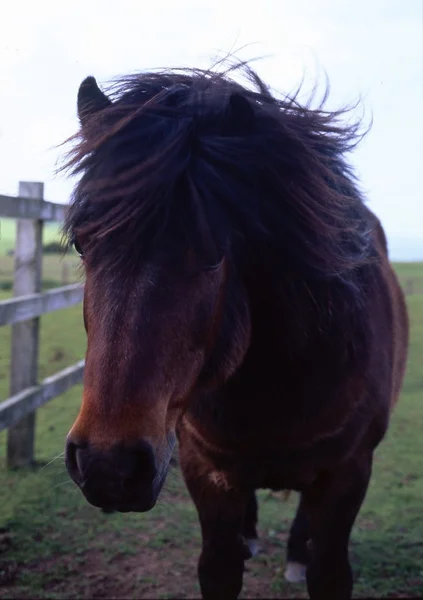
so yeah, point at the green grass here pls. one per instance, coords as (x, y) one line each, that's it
(51, 232)
(53, 265)
(54, 545)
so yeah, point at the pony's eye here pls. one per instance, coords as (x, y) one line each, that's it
(78, 248)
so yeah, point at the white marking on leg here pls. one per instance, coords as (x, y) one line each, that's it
(295, 572)
(253, 546)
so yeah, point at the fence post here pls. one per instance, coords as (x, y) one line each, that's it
(65, 272)
(24, 353)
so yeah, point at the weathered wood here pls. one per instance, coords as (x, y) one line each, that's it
(65, 272)
(24, 355)
(16, 310)
(31, 207)
(17, 407)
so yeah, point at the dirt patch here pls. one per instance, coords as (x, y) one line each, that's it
(169, 571)
(5, 540)
(8, 573)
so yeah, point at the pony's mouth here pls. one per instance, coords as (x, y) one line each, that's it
(122, 503)
(112, 496)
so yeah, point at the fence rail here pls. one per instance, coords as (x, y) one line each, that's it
(18, 412)
(18, 406)
(20, 207)
(23, 308)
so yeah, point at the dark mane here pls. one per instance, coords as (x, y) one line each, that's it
(195, 153)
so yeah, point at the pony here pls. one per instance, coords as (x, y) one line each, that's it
(238, 299)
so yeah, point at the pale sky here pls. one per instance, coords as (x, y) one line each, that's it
(371, 49)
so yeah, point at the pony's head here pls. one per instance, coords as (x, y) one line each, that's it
(164, 315)
(193, 189)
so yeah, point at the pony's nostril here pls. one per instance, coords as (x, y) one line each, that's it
(71, 460)
(79, 460)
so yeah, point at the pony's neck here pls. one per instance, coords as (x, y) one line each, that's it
(294, 313)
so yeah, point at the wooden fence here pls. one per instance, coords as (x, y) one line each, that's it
(18, 412)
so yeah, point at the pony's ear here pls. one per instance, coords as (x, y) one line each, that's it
(90, 99)
(240, 114)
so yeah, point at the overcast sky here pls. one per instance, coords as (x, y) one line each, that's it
(368, 48)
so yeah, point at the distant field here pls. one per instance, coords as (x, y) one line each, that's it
(53, 271)
(53, 545)
(51, 232)
(53, 265)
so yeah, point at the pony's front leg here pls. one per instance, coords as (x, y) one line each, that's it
(221, 512)
(332, 504)
(298, 554)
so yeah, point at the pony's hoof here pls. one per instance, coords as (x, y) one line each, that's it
(253, 546)
(295, 572)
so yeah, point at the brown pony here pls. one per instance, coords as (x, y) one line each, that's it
(238, 298)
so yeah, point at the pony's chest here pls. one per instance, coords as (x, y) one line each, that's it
(270, 462)
(275, 473)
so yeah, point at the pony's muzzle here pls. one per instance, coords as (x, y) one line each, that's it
(123, 478)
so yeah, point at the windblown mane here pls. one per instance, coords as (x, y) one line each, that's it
(195, 153)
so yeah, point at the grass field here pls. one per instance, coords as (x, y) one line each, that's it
(54, 545)
(8, 229)
(52, 264)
